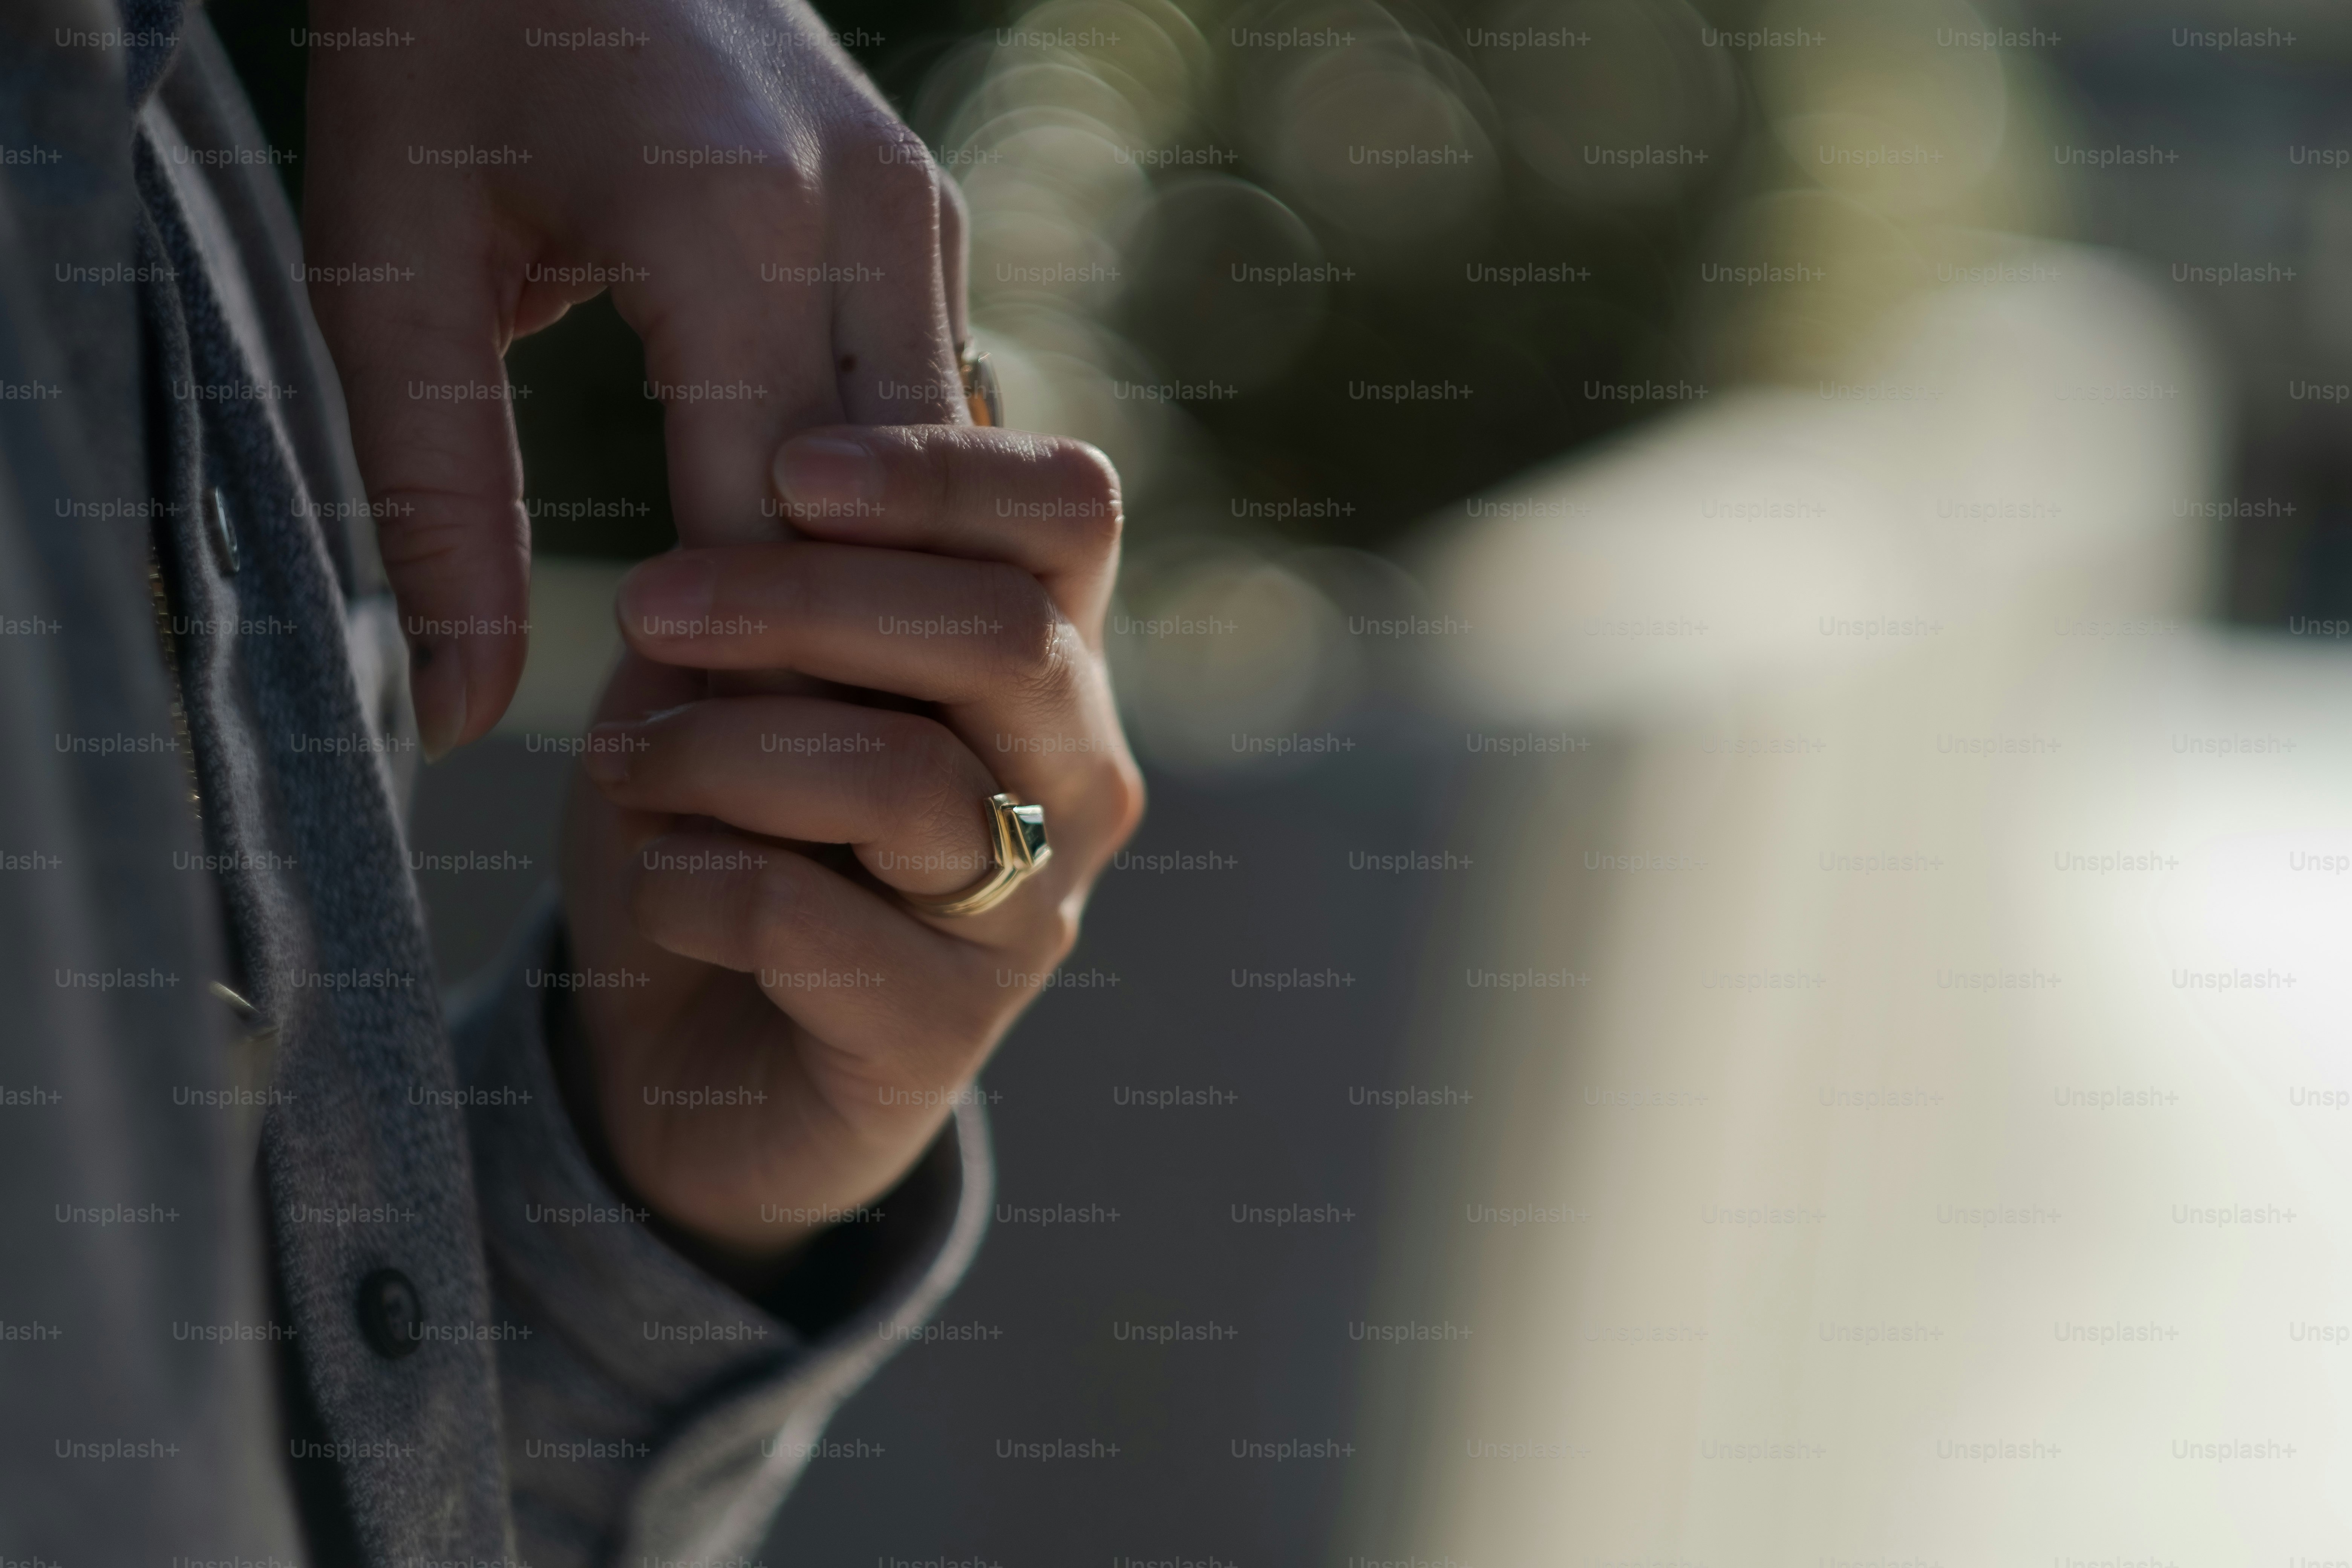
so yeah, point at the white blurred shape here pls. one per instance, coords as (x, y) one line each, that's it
(1930, 988)
(1602, 587)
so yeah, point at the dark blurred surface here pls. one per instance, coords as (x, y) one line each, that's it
(497, 798)
(1152, 1006)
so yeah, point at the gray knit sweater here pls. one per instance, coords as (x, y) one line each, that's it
(308, 1273)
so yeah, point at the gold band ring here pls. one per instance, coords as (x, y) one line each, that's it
(1017, 846)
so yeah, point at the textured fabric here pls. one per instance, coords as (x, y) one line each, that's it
(130, 1091)
(126, 1217)
(606, 1328)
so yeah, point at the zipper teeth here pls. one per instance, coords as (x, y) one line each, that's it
(183, 740)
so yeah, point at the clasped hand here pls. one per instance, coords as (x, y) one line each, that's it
(927, 632)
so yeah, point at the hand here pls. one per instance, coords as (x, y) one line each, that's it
(781, 244)
(774, 1038)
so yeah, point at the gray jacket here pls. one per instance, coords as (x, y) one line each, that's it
(302, 1272)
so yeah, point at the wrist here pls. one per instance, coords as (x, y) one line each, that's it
(749, 1272)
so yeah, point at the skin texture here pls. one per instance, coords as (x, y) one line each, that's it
(809, 715)
(719, 171)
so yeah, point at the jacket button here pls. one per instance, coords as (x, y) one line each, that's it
(392, 1314)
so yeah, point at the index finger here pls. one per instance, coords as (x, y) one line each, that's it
(1046, 504)
(737, 364)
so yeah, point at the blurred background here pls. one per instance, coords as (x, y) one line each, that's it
(1817, 534)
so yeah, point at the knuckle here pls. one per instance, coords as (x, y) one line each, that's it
(1090, 484)
(919, 755)
(907, 198)
(1024, 639)
(1124, 802)
(896, 165)
(777, 915)
(786, 186)
(929, 781)
(1059, 929)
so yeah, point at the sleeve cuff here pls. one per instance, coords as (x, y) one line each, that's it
(698, 1407)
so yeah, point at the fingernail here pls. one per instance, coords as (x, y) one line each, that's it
(436, 685)
(670, 595)
(818, 475)
(606, 755)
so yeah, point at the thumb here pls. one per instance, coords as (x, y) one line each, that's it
(408, 302)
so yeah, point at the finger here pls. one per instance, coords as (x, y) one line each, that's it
(735, 312)
(893, 353)
(431, 424)
(979, 639)
(1043, 503)
(958, 633)
(898, 787)
(955, 258)
(549, 296)
(907, 1002)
